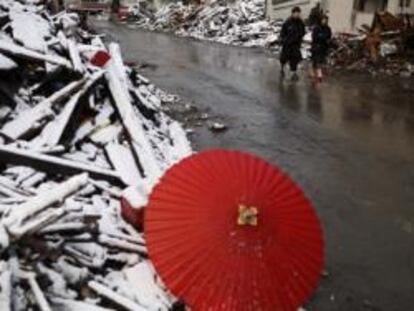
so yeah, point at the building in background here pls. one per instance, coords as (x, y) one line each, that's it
(345, 15)
(87, 5)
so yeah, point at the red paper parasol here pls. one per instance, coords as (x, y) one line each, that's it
(228, 231)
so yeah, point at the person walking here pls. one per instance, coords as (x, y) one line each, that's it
(321, 39)
(292, 33)
(315, 15)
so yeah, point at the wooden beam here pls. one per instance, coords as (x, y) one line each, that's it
(54, 165)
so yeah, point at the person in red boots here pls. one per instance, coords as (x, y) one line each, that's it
(321, 40)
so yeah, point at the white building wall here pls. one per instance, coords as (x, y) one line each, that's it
(394, 6)
(342, 13)
(283, 9)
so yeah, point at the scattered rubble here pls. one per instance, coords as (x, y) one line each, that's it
(77, 127)
(240, 22)
(218, 127)
(380, 48)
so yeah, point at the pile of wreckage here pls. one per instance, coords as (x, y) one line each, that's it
(80, 132)
(384, 47)
(239, 22)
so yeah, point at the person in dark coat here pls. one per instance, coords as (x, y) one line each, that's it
(321, 39)
(315, 16)
(292, 33)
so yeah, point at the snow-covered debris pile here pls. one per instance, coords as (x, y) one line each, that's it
(240, 22)
(77, 127)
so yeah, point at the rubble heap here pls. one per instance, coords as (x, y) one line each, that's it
(384, 47)
(240, 22)
(77, 127)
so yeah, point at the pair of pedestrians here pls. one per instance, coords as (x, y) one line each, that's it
(292, 33)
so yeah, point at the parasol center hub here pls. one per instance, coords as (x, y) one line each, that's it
(248, 216)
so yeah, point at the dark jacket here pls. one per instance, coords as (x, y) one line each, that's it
(291, 37)
(321, 39)
(292, 32)
(315, 16)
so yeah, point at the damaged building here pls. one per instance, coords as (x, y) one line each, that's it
(346, 16)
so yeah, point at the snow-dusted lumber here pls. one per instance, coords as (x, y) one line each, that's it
(75, 57)
(100, 185)
(131, 121)
(6, 63)
(61, 227)
(54, 131)
(7, 191)
(75, 305)
(124, 163)
(118, 65)
(51, 164)
(13, 49)
(37, 292)
(29, 119)
(122, 244)
(29, 29)
(111, 125)
(114, 297)
(45, 199)
(30, 226)
(145, 287)
(5, 287)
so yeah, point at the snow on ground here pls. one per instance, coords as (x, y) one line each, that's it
(75, 133)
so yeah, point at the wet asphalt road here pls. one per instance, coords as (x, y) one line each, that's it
(349, 143)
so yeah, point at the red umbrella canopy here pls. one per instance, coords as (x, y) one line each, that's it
(228, 231)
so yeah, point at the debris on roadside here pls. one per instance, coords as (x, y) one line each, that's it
(240, 22)
(382, 47)
(77, 128)
(218, 127)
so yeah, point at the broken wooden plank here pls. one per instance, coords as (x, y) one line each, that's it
(115, 297)
(102, 186)
(54, 165)
(75, 305)
(123, 162)
(131, 122)
(37, 292)
(75, 57)
(31, 226)
(13, 49)
(6, 287)
(53, 131)
(44, 200)
(28, 119)
(121, 244)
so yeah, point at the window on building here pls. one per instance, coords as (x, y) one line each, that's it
(405, 3)
(371, 5)
(361, 4)
(275, 2)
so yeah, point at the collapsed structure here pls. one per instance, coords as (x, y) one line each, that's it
(385, 46)
(77, 127)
